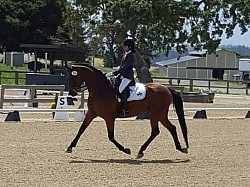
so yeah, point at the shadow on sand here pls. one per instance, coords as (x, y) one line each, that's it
(130, 161)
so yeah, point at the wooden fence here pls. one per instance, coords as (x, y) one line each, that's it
(227, 85)
(33, 89)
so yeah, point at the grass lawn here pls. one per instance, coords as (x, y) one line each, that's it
(9, 77)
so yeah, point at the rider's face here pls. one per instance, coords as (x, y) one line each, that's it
(125, 48)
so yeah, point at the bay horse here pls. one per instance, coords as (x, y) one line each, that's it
(102, 102)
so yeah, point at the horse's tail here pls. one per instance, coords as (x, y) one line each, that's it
(178, 104)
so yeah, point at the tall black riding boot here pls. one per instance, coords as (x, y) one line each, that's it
(124, 104)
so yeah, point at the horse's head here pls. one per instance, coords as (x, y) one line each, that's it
(87, 74)
(75, 80)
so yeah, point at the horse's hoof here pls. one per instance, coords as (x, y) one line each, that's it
(128, 151)
(184, 150)
(140, 155)
(68, 150)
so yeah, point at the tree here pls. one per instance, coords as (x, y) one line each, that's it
(160, 25)
(33, 21)
(72, 31)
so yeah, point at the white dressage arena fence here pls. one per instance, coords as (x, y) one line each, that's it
(60, 113)
(80, 112)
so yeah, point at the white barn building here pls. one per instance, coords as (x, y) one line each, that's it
(201, 64)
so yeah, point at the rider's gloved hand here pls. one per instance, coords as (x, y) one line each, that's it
(110, 74)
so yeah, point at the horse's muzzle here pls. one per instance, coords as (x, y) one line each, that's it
(72, 92)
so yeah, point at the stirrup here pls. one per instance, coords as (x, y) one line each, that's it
(122, 112)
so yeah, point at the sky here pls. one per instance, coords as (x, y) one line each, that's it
(237, 39)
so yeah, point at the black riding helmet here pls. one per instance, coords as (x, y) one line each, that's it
(130, 43)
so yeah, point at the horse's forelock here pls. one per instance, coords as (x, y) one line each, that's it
(79, 66)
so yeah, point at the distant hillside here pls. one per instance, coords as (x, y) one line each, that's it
(240, 49)
(172, 54)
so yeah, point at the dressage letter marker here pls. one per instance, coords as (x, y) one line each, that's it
(62, 103)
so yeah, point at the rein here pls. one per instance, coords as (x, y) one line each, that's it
(112, 81)
(81, 88)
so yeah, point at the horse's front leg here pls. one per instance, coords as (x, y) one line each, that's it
(88, 118)
(110, 128)
(154, 132)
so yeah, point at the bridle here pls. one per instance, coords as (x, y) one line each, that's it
(81, 88)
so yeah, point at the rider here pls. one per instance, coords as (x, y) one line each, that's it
(126, 73)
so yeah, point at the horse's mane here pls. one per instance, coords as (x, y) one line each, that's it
(94, 69)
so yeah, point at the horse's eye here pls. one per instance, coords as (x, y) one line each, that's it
(74, 73)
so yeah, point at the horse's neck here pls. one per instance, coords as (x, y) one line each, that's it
(98, 86)
(101, 91)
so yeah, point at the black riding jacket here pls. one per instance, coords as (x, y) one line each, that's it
(126, 68)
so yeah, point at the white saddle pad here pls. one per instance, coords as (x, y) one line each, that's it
(137, 92)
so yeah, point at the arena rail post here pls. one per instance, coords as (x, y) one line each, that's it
(201, 114)
(247, 115)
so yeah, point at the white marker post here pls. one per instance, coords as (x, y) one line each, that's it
(11, 59)
(46, 60)
(4, 57)
(79, 116)
(62, 103)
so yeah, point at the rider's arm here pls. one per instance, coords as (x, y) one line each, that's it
(129, 62)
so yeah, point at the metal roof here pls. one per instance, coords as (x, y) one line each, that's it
(202, 52)
(175, 60)
(56, 52)
(60, 52)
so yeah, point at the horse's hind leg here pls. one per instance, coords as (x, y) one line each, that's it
(172, 129)
(110, 128)
(88, 118)
(154, 132)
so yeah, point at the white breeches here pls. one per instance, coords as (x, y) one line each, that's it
(124, 84)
